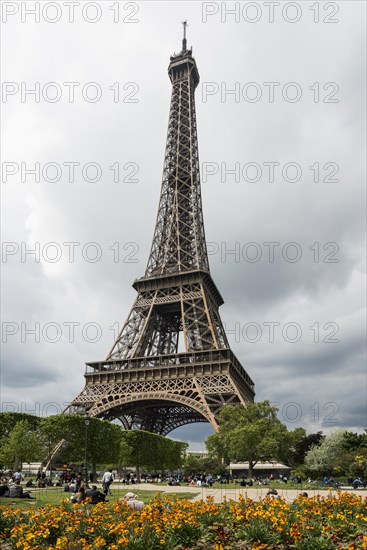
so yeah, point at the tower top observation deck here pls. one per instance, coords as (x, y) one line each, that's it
(183, 62)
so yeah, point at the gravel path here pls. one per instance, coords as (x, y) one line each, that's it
(219, 494)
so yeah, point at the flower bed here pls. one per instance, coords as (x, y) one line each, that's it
(319, 523)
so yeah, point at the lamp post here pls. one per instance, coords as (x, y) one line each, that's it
(50, 461)
(86, 424)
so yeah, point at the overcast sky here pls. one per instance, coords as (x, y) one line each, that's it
(280, 103)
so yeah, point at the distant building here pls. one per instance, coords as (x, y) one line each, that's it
(198, 454)
(261, 469)
(31, 468)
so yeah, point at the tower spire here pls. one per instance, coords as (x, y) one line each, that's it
(179, 239)
(184, 41)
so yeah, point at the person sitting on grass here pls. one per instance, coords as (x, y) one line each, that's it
(272, 493)
(16, 491)
(358, 482)
(299, 498)
(132, 501)
(4, 488)
(95, 495)
(81, 495)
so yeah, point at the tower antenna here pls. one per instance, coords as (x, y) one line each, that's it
(184, 42)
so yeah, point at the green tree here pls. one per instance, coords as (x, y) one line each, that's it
(125, 452)
(8, 420)
(103, 439)
(355, 442)
(302, 446)
(22, 444)
(196, 465)
(252, 434)
(218, 448)
(155, 452)
(355, 445)
(328, 457)
(289, 446)
(68, 428)
(193, 465)
(213, 465)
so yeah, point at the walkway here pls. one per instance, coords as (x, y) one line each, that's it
(221, 493)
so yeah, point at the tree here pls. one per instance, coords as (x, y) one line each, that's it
(354, 442)
(195, 465)
(103, 443)
(355, 446)
(216, 447)
(8, 420)
(252, 434)
(21, 445)
(125, 452)
(140, 448)
(290, 445)
(103, 438)
(328, 457)
(304, 445)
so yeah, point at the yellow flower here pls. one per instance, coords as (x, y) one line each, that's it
(99, 542)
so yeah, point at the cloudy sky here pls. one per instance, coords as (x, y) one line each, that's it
(281, 122)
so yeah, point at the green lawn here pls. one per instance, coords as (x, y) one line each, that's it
(54, 496)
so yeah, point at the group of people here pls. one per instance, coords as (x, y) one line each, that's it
(273, 494)
(330, 482)
(12, 488)
(81, 492)
(93, 494)
(97, 496)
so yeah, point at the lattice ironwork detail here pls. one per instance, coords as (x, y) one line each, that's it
(179, 237)
(171, 364)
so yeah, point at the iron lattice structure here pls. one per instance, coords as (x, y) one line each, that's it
(145, 381)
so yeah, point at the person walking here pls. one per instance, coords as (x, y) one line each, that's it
(18, 475)
(107, 479)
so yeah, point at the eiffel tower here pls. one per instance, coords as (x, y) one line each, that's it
(145, 381)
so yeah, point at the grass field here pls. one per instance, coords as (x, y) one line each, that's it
(54, 496)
